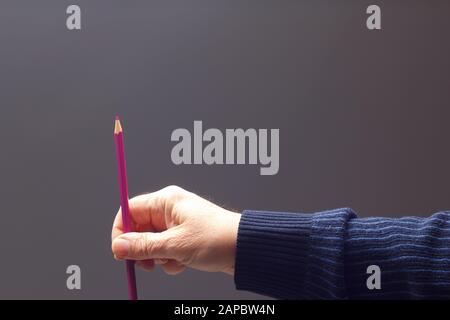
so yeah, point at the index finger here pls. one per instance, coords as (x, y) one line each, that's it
(117, 228)
(142, 213)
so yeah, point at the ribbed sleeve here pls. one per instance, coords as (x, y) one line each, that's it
(413, 255)
(325, 255)
(292, 255)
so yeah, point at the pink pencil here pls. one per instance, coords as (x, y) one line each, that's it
(120, 153)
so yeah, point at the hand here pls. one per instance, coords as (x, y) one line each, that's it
(177, 229)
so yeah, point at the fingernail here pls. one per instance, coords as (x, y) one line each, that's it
(121, 247)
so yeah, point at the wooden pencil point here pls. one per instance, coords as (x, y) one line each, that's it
(117, 127)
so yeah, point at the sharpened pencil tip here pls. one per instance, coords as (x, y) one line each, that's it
(117, 126)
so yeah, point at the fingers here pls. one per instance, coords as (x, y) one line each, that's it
(149, 211)
(160, 261)
(139, 212)
(150, 242)
(117, 228)
(145, 245)
(147, 265)
(171, 267)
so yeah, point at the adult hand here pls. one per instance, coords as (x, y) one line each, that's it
(177, 229)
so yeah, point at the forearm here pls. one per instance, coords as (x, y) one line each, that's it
(291, 255)
(413, 255)
(326, 255)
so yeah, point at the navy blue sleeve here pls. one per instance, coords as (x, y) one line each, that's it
(326, 255)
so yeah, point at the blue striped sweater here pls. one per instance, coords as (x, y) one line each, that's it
(325, 255)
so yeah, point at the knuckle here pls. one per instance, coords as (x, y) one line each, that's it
(180, 247)
(135, 199)
(141, 246)
(171, 247)
(172, 268)
(171, 195)
(153, 247)
(171, 272)
(173, 191)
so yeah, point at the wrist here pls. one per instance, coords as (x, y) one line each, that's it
(231, 241)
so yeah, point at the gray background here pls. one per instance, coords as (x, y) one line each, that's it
(362, 115)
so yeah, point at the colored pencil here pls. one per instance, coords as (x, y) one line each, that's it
(126, 219)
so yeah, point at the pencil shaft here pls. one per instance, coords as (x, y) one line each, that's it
(120, 153)
(131, 276)
(123, 184)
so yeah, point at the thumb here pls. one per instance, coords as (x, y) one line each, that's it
(144, 245)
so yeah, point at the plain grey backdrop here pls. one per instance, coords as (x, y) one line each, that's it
(363, 118)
